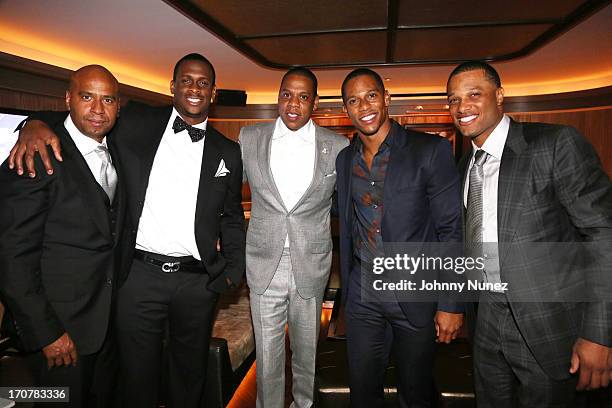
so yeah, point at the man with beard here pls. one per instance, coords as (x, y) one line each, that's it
(290, 168)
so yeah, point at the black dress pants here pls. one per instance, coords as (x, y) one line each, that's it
(373, 331)
(148, 302)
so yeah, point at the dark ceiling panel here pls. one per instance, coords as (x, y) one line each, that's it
(453, 44)
(442, 12)
(323, 49)
(340, 33)
(270, 17)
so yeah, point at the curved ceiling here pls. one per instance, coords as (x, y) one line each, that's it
(140, 40)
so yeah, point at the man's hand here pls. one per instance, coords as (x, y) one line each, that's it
(61, 352)
(592, 362)
(34, 137)
(447, 326)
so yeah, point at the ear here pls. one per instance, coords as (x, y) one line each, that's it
(499, 96)
(213, 94)
(68, 100)
(316, 103)
(387, 98)
(344, 108)
(172, 87)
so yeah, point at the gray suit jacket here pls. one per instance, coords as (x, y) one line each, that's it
(552, 189)
(308, 223)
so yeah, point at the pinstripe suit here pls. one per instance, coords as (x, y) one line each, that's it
(551, 189)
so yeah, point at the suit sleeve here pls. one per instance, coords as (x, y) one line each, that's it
(444, 194)
(241, 141)
(585, 192)
(51, 118)
(233, 236)
(24, 204)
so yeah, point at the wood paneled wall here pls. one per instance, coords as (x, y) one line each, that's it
(594, 124)
(231, 128)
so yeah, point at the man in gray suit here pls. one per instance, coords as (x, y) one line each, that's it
(530, 184)
(290, 167)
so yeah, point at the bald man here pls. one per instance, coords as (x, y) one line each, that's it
(59, 247)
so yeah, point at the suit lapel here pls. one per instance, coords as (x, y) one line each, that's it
(514, 174)
(348, 170)
(394, 172)
(143, 153)
(120, 194)
(90, 191)
(264, 147)
(321, 164)
(211, 157)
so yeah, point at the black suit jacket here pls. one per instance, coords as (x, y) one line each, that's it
(219, 212)
(552, 189)
(59, 251)
(421, 204)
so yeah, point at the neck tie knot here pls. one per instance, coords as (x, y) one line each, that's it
(194, 133)
(480, 157)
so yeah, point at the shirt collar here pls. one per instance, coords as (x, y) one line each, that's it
(305, 133)
(201, 125)
(386, 144)
(494, 145)
(84, 144)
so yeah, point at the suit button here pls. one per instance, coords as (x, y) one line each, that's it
(133, 232)
(113, 233)
(109, 281)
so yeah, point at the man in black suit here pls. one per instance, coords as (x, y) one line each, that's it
(394, 186)
(525, 184)
(184, 184)
(59, 247)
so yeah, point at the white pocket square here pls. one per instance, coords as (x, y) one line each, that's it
(222, 170)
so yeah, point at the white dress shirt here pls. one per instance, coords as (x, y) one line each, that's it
(494, 146)
(167, 223)
(292, 161)
(86, 146)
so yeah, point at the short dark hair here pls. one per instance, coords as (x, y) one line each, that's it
(359, 72)
(490, 72)
(305, 72)
(194, 57)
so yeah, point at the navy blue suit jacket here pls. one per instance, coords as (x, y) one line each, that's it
(421, 204)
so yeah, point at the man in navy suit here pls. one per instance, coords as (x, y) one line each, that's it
(394, 186)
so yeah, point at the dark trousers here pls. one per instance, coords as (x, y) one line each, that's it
(93, 382)
(373, 330)
(506, 373)
(149, 301)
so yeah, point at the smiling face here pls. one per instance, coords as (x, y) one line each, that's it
(366, 104)
(93, 101)
(475, 104)
(296, 101)
(193, 90)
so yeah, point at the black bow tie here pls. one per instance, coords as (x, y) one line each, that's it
(194, 133)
